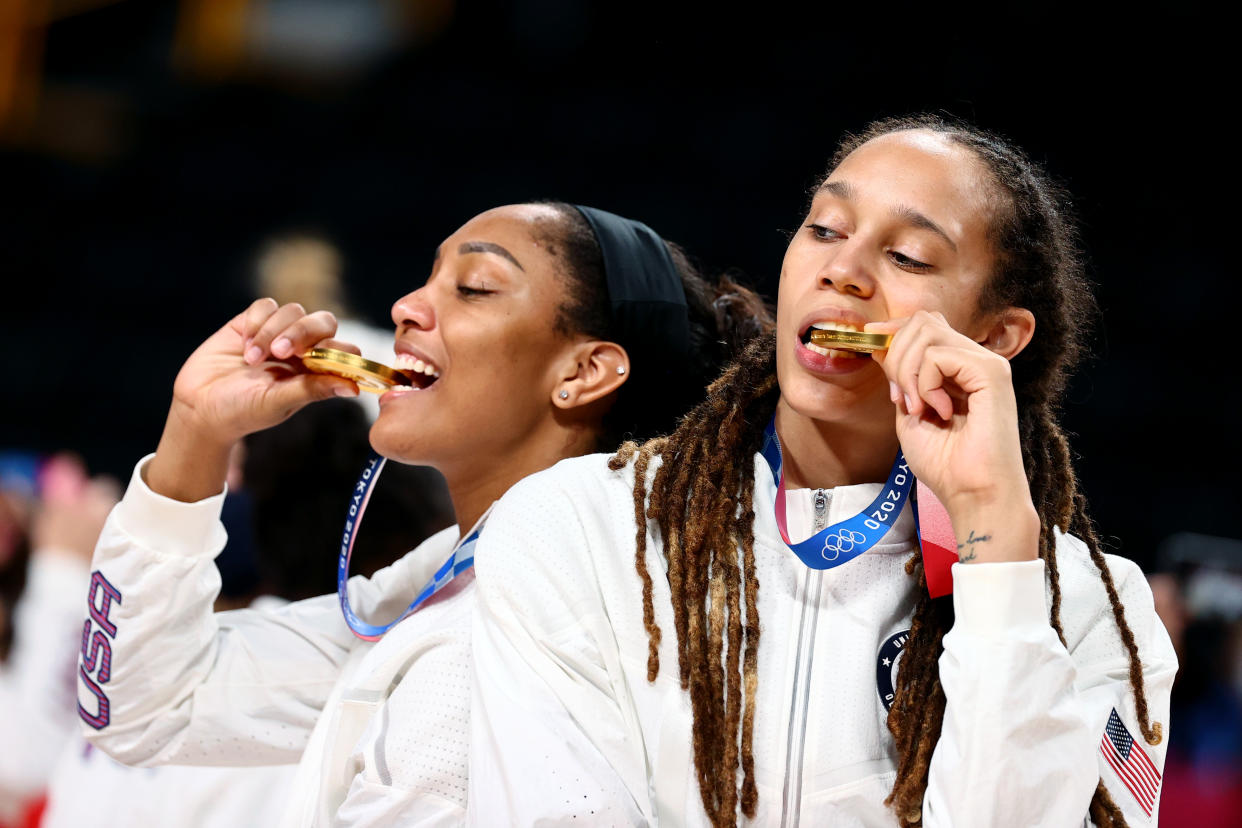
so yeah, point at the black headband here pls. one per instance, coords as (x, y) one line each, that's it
(649, 317)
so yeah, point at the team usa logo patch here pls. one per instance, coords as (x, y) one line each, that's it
(1131, 764)
(886, 666)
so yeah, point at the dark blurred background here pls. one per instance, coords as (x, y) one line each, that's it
(149, 149)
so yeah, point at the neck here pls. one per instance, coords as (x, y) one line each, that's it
(824, 455)
(476, 485)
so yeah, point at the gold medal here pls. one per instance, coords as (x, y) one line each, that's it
(851, 340)
(370, 376)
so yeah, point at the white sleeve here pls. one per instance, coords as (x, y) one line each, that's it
(1025, 717)
(164, 679)
(551, 742)
(36, 684)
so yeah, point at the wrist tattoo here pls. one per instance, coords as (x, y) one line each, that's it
(968, 546)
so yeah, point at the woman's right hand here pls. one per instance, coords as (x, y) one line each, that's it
(246, 377)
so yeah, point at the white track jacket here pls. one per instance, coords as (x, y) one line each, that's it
(566, 729)
(164, 680)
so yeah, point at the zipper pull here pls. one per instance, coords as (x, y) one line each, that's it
(821, 509)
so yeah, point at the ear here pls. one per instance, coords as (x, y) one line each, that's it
(591, 370)
(1010, 331)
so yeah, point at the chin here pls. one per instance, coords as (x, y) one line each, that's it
(397, 441)
(828, 402)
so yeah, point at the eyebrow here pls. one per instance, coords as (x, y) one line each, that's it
(488, 247)
(906, 214)
(840, 189)
(914, 218)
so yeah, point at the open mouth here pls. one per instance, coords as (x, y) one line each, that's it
(831, 353)
(422, 374)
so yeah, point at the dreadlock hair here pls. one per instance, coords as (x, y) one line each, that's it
(701, 499)
(723, 315)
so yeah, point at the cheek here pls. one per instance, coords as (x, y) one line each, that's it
(905, 297)
(957, 306)
(799, 264)
(790, 298)
(513, 365)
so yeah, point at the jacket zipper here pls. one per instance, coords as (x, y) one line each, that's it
(800, 700)
(821, 510)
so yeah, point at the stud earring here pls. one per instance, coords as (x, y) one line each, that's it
(564, 395)
(620, 369)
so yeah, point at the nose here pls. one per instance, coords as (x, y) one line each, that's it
(414, 311)
(846, 271)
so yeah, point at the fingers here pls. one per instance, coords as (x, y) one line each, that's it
(902, 362)
(929, 364)
(283, 332)
(338, 345)
(906, 358)
(303, 334)
(931, 381)
(890, 326)
(302, 389)
(252, 318)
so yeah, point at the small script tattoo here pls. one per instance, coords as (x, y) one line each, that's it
(971, 540)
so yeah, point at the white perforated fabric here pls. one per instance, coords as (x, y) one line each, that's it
(409, 765)
(566, 727)
(89, 788)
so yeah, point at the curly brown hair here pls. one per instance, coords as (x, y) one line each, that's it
(701, 500)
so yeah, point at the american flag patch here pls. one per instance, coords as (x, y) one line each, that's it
(1130, 763)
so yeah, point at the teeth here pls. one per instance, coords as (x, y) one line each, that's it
(835, 326)
(405, 362)
(833, 353)
(402, 388)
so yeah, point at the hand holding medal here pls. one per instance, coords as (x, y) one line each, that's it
(957, 422)
(249, 375)
(246, 377)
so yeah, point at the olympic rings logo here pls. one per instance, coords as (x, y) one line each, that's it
(843, 542)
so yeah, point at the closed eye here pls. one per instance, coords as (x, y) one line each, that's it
(906, 263)
(470, 292)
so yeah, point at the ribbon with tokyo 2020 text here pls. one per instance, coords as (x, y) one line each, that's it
(457, 563)
(846, 540)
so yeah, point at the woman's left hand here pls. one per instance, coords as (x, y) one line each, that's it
(957, 421)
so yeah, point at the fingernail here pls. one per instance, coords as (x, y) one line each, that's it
(909, 405)
(282, 347)
(346, 391)
(254, 354)
(893, 391)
